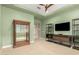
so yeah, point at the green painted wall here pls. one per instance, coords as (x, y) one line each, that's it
(64, 15)
(0, 27)
(8, 15)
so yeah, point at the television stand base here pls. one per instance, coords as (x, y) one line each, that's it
(59, 43)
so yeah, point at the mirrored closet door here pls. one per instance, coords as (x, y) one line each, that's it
(21, 33)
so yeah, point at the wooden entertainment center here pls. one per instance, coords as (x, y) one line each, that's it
(68, 40)
(61, 39)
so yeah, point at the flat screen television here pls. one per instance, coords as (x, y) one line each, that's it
(62, 26)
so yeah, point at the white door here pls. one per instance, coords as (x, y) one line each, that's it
(37, 30)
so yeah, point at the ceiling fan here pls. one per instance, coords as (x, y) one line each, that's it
(46, 6)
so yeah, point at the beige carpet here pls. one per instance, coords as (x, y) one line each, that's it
(40, 47)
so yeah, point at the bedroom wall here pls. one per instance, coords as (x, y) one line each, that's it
(8, 15)
(64, 15)
(0, 27)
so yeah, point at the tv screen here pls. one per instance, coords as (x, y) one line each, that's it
(62, 26)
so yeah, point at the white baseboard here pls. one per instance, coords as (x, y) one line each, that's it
(7, 46)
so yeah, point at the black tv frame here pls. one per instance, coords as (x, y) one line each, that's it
(62, 26)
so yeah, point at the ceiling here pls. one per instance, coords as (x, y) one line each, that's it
(40, 13)
(33, 8)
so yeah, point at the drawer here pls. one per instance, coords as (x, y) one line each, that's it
(65, 39)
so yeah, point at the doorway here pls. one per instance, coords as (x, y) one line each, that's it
(37, 29)
(21, 33)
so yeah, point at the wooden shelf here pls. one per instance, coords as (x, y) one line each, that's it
(49, 28)
(21, 38)
(75, 24)
(21, 43)
(75, 30)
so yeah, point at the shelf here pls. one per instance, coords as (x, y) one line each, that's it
(75, 24)
(75, 30)
(77, 39)
(20, 38)
(49, 29)
(21, 30)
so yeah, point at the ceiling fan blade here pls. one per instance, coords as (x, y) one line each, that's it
(49, 5)
(42, 4)
(46, 6)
